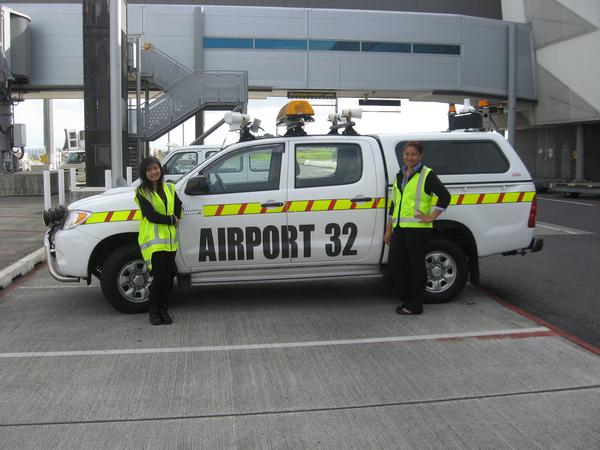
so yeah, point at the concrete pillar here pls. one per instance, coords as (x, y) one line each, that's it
(116, 100)
(579, 162)
(512, 83)
(199, 63)
(49, 129)
(7, 158)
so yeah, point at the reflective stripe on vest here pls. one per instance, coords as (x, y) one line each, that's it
(414, 189)
(155, 237)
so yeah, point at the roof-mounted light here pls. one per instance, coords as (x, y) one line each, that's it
(294, 111)
(236, 120)
(344, 120)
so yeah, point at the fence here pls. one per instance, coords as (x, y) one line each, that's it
(73, 185)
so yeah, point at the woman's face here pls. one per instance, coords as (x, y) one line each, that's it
(411, 156)
(153, 172)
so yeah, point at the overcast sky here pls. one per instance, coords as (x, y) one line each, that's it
(411, 116)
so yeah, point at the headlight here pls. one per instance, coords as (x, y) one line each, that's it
(76, 218)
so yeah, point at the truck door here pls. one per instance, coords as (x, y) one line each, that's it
(239, 222)
(334, 207)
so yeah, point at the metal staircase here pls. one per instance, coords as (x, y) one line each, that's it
(183, 93)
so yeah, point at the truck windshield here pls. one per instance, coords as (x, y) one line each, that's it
(76, 158)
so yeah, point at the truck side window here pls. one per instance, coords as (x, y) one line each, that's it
(247, 170)
(327, 164)
(460, 157)
(181, 163)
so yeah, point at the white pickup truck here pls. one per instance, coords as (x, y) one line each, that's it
(181, 160)
(305, 207)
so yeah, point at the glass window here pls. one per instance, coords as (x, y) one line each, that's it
(181, 163)
(391, 47)
(210, 42)
(461, 157)
(210, 153)
(437, 49)
(282, 44)
(327, 164)
(346, 46)
(246, 170)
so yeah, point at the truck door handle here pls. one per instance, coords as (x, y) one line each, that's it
(271, 204)
(360, 199)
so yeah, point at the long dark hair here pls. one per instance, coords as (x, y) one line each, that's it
(146, 183)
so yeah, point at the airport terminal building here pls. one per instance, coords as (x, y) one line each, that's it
(426, 51)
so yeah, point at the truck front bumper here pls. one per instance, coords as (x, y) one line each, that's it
(51, 260)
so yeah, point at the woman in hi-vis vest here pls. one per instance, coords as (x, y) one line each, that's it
(158, 240)
(410, 225)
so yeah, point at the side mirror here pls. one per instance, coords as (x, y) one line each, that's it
(197, 186)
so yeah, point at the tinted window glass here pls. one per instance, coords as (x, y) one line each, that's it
(181, 163)
(467, 157)
(248, 170)
(327, 164)
(227, 43)
(283, 44)
(347, 46)
(392, 47)
(437, 49)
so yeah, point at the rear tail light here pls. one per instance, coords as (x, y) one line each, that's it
(532, 213)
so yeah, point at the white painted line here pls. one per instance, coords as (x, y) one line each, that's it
(566, 201)
(227, 348)
(562, 229)
(557, 229)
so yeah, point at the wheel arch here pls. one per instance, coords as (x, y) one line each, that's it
(461, 236)
(104, 248)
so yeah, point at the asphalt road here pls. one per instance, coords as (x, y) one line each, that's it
(560, 284)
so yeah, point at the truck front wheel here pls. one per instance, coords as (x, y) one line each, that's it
(125, 280)
(447, 271)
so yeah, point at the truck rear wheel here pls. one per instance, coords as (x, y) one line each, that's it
(125, 280)
(447, 271)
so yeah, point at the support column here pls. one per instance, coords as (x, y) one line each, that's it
(199, 62)
(6, 154)
(512, 83)
(49, 128)
(117, 105)
(579, 162)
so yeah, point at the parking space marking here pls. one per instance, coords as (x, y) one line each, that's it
(560, 229)
(566, 201)
(487, 334)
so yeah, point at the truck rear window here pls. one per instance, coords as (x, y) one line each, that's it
(460, 157)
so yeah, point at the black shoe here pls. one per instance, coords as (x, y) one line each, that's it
(165, 317)
(155, 318)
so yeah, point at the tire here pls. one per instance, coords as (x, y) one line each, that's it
(125, 280)
(447, 271)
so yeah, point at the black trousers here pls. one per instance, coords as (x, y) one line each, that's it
(407, 258)
(163, 272)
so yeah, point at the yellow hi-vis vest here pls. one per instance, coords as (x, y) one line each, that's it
(413, 199)
(154, 237)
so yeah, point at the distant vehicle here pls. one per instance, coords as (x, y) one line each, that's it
(75, 159)
(180, 161)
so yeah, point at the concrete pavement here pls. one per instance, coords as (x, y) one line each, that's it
(301, 365)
